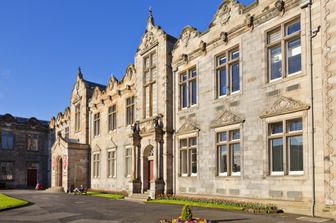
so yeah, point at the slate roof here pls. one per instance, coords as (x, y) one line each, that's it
(23, 121)
(92, 85)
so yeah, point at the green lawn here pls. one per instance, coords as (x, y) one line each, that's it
(197, 204)
(105, 195)
(9, 202)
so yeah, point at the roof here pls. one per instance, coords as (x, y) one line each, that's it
(92, 85)
(23, 121)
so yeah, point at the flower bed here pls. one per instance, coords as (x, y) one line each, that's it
(222, 203)
(186, 217)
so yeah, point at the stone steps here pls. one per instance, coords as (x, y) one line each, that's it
(138, 197)
(55, 190)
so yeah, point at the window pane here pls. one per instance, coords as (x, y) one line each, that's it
(184, 96)
(235, 77)
(193, 73)
(193, 92)
(183, 143)
(276, 128)
(193, 161)
(294, 56)
(235, 157)
(222, 153)
(274, 36)
(7, 139)
(221, 137)
(221, 60)
(277, 154)
(184, 164)
(294, 27)
(275, 62)
(295, 153)
(234, 54)
(295, 125)
(193, 141)
(235, 134)
(221, 80)
(184, 77)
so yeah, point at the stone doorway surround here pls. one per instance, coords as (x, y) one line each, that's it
(153, 130)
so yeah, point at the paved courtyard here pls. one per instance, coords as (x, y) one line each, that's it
(59, 207)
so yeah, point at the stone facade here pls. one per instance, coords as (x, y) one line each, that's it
(24, 152)
(234, 112)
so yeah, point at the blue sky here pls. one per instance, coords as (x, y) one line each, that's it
(42, 43)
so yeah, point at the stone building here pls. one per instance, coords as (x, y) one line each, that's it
(24, 152)
(242, 110)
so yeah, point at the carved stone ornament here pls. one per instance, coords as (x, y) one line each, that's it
(224, 37)
(226, 118)
(188, 127)
(147, 127)
(149, 41)
(284, 105)
(280, 5)
(187, 34)
(185, 58)
(224, 14)
(203, 46)
(249, 21)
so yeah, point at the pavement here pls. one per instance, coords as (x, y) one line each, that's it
(65, 208)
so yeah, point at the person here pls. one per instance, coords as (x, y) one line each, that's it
(38, 186)
(79, 190)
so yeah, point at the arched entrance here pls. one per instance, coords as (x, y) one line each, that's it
(148, 167)
(59, 175)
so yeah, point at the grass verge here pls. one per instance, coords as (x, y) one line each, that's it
(7, 202)
(198, 204)
(105, 195)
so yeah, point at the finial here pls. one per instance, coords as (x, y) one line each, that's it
(80, 72)
(150, 11)
(150, 16)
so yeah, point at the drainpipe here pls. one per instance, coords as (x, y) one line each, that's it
(174, 135)
(312, 34)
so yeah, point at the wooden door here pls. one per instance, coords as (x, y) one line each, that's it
(31, 177)
(150, 171)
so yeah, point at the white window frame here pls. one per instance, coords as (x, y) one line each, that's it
(227, 66)
(112, 163)
(188, 150)
(128, 158)
(286, 153)
(228, 143)
(283, 43)
(96, 164)
(188, 83)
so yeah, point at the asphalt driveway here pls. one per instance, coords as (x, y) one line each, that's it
(60, 207)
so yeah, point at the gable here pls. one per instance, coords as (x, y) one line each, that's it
(188, 126)
(284, 105)
(226, 118)
(230, 11)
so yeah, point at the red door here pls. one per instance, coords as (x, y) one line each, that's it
(31, 178)
(150, 171)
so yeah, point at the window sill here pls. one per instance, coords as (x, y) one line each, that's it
(285, 79)
(188, 176)
(231, 96)
(225, 175)
(188, 109)
(290, 176)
